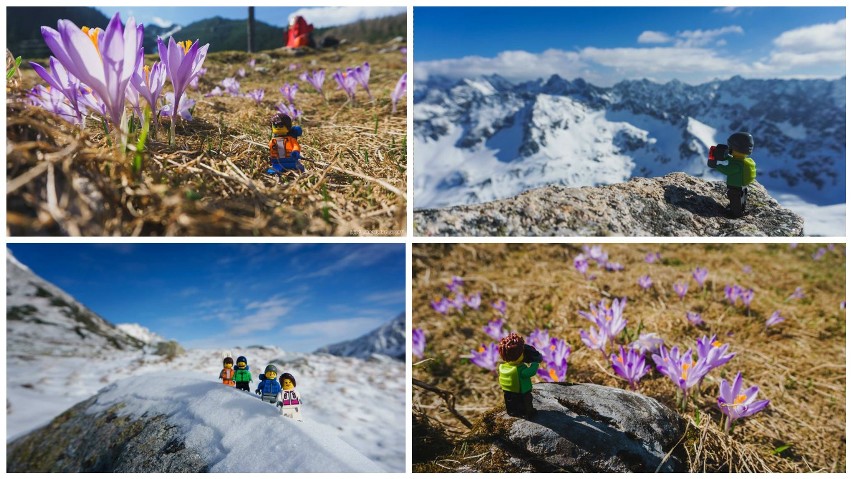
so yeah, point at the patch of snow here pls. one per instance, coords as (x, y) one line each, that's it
(796, 132)
(820, 220)
(140, 332)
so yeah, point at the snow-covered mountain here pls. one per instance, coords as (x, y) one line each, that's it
(485, 138)
(59, 353)
(388, 340)
(141, 333)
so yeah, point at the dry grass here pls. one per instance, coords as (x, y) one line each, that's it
(799, 365)
(213, 181)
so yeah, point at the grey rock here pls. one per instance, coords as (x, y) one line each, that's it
(592, 428)
(676, 204)
(77, 441)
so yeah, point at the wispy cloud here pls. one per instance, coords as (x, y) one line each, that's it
(331, 16)
(161, 22)
(814, 45)
(386, 297)
(654, 37)
(700, 38)
(265, 315)
(346, 256)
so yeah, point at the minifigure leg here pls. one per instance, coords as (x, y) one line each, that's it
(736, 201)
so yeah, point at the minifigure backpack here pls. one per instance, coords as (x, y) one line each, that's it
(749, 171)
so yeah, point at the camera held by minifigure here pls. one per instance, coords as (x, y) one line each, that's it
(269, 387)
(285, 152)
(289, 399)
(740, 169)
(515, 374)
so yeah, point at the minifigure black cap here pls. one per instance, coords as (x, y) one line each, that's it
(741, 141)
(280, 120)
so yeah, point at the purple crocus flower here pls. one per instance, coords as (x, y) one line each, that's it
(747, 269)
(289, 110)
(241, 72)
(732, 293)
(610, 320)
(774, 318)
(539, 339)
(799, 293)
(418, 342)
(647, 342)
(455, 284)
(652, 257)
(251, 62)
(747, 295)
(256, 95)
(232, 86)
(819, 254)
(458, 302)
(495, 330)
(346, 83)
(680, 288)
(361, 75)
(630, 365)
(52, 100)
(843, 304)
(711, 352)
(645, 282)
(149, 83)
(289, 92)
(499, 306)
(441, 305)
(595, 339)
(316, 79)
(613, 266)
(596, 253)
(185, 107)
(555, 365)
(486, 356)
(104, 61)
(694, 318)
(399, 91)
(684, 371)
(580, 264)
(183, 63)
(700, 275)
(63, 82)
(215, 92)
(736, 403)
(473, 301)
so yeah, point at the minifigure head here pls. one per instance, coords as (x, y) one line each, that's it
(281, 124)
(228, 363)
(287, 381)
(741, 144)
(242, 362)
(511, 348)
(271, 372)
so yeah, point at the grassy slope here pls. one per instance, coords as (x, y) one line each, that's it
(799, 365)
(213, 181)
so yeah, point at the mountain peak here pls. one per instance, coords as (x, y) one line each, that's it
(388, 340)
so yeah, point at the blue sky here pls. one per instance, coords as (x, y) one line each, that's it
(297, 297)
(608, 44)
(318, 16)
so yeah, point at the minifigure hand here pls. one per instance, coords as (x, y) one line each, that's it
(279, 404)
(296, 155)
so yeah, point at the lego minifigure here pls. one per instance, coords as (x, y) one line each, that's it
(288, 399)
(242, 374)
(740, 170)
(268, 387)
(227, 374)
(284, 149)
(521, 364)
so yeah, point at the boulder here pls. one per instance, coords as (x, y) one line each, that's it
(592, 428)
(676, 204)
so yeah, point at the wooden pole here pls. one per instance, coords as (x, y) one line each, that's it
(250, 27)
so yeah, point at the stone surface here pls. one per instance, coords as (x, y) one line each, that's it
(111, 443)
(676, 204)
(592, 428)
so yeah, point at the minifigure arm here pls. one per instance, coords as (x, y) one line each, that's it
(528, 371)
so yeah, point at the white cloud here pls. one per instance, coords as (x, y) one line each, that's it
(332, 330)
(649, 36)
(815, 38)
(331, 16)
(386, 297)
(353, 256)
(514, 65)
(161, 22)
(700, 38)
(266, 316)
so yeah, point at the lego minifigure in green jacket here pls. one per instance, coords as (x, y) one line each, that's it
(242, 374)
(521, 364)
(740, 170)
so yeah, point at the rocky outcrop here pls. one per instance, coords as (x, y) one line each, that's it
(592, 428)
(108, 441)
(676, 204)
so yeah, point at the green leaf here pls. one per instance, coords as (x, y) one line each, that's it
(11, 71)
(143, 138)
(780, 449)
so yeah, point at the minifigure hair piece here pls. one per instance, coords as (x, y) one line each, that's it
(282, 120)
(287, 376)
(511, 347)
(228, 361)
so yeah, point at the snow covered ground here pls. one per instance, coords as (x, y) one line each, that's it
(828, 220)
(359, 402)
